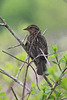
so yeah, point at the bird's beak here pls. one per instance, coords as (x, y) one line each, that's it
(26, 28)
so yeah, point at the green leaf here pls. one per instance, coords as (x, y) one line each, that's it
(66, 72)
(22, 56)
(2, 94)
(57, 75)
(54, 55)
(35, 91)
(64, 83)
(65, 58)
(47, 91)
(54, 48)
(61, 60)
(43, 87)
(10, 65)
(52, 70)
(5, 99)
(0, 89)
(54, 62)
(33, 85)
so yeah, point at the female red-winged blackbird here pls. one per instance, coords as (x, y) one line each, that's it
(35, 42)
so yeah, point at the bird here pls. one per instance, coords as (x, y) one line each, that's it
(35, 42)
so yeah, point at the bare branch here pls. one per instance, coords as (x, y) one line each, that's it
(14, 46)
(47, 80)
(45, 56)
(21, 67)
(18, 44)
(13, 33)
(53, 88)
(27, 94)
(14, 93)
(64, 98)
(49, 65)
(14, 56)
(44, 31)
(2, 20)
(56, 83)
(23, 64)
(20, 83)
(63, 72)
(2, 24)
(58, 62)
(25, 38)
(25, 80)
(36, 77)
(28, 63)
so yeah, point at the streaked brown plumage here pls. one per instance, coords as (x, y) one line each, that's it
(35, 41)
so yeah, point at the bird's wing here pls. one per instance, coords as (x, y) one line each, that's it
(41, 43)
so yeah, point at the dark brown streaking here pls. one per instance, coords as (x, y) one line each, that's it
(35, 41)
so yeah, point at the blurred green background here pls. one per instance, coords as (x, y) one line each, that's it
(50, 14)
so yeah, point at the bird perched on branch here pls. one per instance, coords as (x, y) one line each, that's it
(34, 43)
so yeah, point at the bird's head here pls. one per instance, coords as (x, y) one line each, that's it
(32, 29)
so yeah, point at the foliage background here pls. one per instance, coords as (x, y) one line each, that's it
(50, 14)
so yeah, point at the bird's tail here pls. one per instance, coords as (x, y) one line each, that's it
(41, 67)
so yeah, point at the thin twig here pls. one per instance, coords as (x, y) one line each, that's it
(47, 80)
(2, 24)
(64, 98)
(26, 63)
(22, 60)
(63, 72)
(56, 84)
(21, 67)
(27, 94)
(36, 77)
(13, 56)
(49, 65)
(14, 94)
(53, 88)
(58, 63)
(22, 44)
(18, 44)
(44, 31)
(13, 33)
(14, 46)
(45, 56)
(16, 80)
(25, 80)
(29, 55)
(29, 64)
(25, 38)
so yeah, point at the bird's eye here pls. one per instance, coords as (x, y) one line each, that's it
(31, 27)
